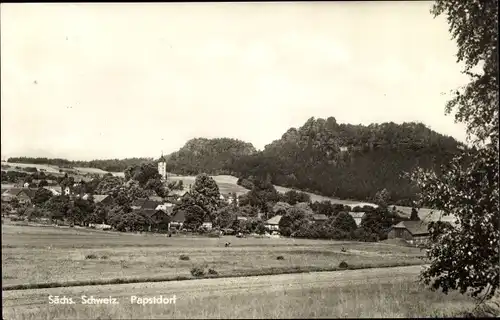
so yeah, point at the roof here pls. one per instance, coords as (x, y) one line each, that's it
(146, 204)
(242, 218)
(357, 214)
(414, 227)
(54, 191)
(162, 159)
(29, 192)
(165, 209)
(281, 205)
(274, 220)
(13, 191)
(180, 216)
(100, 197)
(29, 211)
(147, 212)
(156, 198)
(319, 217)
(177, 192)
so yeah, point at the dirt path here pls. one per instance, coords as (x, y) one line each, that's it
(203, 287)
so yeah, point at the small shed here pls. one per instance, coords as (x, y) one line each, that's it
(414, 232)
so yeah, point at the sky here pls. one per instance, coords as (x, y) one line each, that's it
(100, 81)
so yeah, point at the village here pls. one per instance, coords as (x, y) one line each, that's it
(161, 216)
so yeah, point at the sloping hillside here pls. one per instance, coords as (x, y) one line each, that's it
(212, 156)
(337, 160)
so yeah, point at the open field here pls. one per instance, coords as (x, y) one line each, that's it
(33, 254)
(90, 170)
(47, 168)
(386, 292)
(227, 184)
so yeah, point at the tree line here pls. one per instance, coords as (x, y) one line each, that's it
(110, 165)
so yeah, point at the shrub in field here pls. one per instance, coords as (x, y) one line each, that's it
(91, 256)
(280, 258)
(104, 257)
(212, 272)
(184, 257)
(197, 271)
(343, 265)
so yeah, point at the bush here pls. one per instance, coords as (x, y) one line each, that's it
(91, 256)
(343, 265)
(197, 272)
(104, 257)
(280, 258)
(184, 257)
(212, 272)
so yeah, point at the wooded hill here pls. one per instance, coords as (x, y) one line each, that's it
(324, 157)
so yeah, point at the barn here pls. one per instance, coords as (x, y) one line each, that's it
(414, 232)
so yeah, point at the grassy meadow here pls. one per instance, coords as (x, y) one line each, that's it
(36, 254)
(388, 292)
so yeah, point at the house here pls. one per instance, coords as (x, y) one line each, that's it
(414, 232)
(54, 191)
(319, 217)
(207, 224)
(24, 195)
(357, 216)
(156, 198)
(176, 195)
(9, 194)
(178, 220)
(165, 207)
(99, 198)
(273, 223)
(158, 220)
(100, 226)
(67, 190)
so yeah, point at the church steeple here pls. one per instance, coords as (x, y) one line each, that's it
(162, 167)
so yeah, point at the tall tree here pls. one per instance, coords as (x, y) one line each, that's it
(465, 256)
(206, 194)
(41, 196)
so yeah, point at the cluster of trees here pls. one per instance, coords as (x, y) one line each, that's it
(13, 176)
(213, 156)
(111, 165)
(377, 156)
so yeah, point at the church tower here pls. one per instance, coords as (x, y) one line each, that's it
(162, 167)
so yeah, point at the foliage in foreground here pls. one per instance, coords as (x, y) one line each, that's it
(465, 256)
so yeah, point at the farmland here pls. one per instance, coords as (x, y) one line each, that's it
(387, 292)
(32, 255)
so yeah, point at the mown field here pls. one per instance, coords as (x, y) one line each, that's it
(54, 254)
(387, 292)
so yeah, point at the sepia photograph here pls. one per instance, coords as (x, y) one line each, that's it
(250, 160)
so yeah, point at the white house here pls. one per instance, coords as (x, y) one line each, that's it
(54, 191)
(358, 216)
(207, 225)
(67, 191)
(164, 207)
(273, 223)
